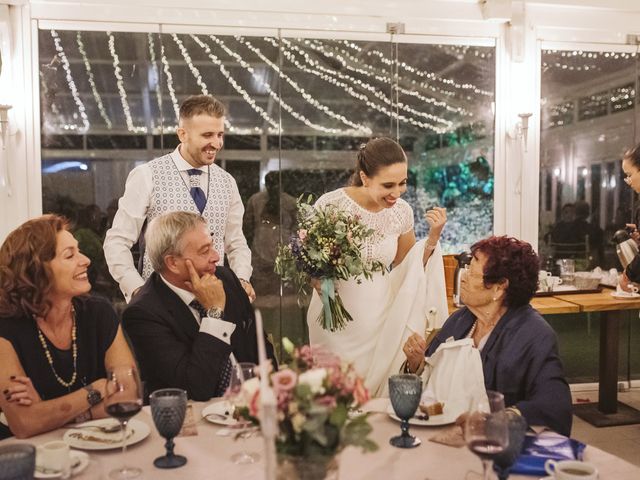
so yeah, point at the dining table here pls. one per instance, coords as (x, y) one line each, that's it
(209, 454)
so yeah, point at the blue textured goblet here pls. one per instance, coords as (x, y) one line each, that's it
(168, 407)
(17, 461)
(503, 462)
(404, 392)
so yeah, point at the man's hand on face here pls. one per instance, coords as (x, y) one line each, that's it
(207, 288)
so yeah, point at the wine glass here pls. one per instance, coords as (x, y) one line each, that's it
(123, 401)
(486, 432)
(168, 407)
(240, 373)
(405, 391)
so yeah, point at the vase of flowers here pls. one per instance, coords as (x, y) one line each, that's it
(315, 394)
(326, 247)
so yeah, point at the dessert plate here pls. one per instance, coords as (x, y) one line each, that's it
(90, 439)
(625, 295)
(446, 418)
(220, 413)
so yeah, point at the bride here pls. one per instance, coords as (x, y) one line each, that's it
(387, 309)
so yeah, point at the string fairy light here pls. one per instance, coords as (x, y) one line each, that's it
(120, 84)
(347, 87)
(380, 75)
(152, 57)
(92, 83)
(72, 86)
(371, 88)
(356, 129)
(307, 96)
(170, 87)
(243, 93)
(421, 73)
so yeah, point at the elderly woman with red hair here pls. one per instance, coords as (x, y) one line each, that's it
(519, 350)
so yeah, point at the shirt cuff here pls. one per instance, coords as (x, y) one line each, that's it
(130, 284)
(218, 328)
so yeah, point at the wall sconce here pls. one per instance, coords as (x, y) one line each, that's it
(522, 128)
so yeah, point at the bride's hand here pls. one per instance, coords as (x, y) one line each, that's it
(436, 218)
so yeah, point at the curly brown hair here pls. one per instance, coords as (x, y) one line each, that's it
(25, 274)
(510, 259)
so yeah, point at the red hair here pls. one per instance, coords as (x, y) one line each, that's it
(514, 260)
(25, 274)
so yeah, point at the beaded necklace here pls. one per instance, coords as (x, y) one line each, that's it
(473, 329)
(74, 349)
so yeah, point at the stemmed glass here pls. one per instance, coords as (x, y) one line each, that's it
(405, 391)
(503, 462)
(240, 373)
(123, 401)
(168, 407)
(486, 432)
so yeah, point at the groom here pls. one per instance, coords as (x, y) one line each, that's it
(191, 317)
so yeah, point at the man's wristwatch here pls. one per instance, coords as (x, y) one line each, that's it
(215, 312)
(94, 396)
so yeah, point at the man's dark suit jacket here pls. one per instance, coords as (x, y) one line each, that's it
(171, 350)
(520, 360)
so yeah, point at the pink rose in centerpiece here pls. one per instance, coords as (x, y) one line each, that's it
(326, 401)
(283, 380)
(302, 234)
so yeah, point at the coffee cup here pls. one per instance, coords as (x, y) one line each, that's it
(570, 470)
(55, 457)
(550, 283)
(542, 274)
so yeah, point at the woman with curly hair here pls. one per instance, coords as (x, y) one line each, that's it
(56, 342)
(518, 348)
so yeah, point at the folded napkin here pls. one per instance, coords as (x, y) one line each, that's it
(537, 449)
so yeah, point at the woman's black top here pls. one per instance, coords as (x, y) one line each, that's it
(96, 328)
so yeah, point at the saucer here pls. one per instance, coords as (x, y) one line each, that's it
(220, 413)
(79, 461)
(625, 295)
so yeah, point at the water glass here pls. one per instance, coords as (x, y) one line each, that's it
(567, 270)
(503, 462)
(404, 392)
(240, 373)
(168, 408)
(17, 461)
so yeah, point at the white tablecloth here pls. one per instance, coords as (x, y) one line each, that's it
(209, 455)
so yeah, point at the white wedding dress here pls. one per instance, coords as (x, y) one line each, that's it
(387, 308)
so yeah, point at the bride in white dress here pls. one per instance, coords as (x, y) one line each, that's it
(387, 309)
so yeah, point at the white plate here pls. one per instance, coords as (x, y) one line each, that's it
(220, 413)
(93, 439)
(447, 418)
(625, 295)
(79, 461)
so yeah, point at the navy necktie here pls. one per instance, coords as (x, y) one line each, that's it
(196, 192)
(225, 374)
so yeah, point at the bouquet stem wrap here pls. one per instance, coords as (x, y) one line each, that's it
(333, 316)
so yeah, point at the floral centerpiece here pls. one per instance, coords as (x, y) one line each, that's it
(326, 247)
(315, 394)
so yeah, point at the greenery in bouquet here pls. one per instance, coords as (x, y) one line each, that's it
(327, 247)
(315, 393)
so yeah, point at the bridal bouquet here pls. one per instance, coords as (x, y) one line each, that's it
(314, 395)
(326, 247)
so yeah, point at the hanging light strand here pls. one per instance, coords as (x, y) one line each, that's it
(120, 83)
(252, 103)
(356, 130)
(72, 85)
(422, 73)
(170, 87)
(347, 87)
(152, 57)
(92, 83)
(380, 75)
(307, 96)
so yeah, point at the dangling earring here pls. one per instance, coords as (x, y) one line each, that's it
(494, 299)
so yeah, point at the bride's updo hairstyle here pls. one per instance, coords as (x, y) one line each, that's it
(375, 154)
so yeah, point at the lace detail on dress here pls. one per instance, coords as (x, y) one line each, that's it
(388, 224)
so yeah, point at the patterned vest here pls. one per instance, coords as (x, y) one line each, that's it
(171, 193)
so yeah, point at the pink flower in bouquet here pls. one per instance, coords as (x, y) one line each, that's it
(283, 380)
(302, 234)
(327, 401)
(360, 392)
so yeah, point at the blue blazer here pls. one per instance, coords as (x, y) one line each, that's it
(520, 359)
